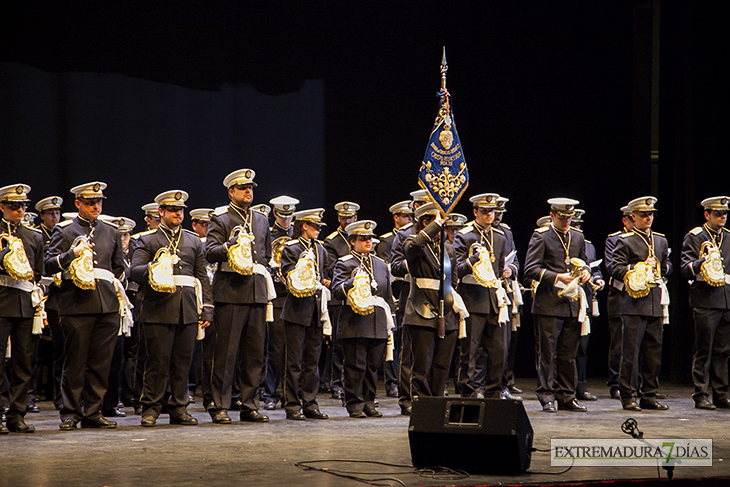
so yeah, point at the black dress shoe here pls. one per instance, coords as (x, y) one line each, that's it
(405, 410)
(138, 410)
(114, 413)
(373, 413)
(505, 394)
(32, 408)
(550, 407)
(315, 414)
(254, 417)
(19, 426)
(704, 403)
(615, 394)
(358, 414)
(392, 392)
(67, 424)
(236, 405)
(630, 406)
(191, 399)
(149, 421)
(3, 430)
(337, 394)
(185, 419)
(515, 390)
(586, 396)
(296, 416)
(652, 404)
(100, 422)
(572, 406)
(269, 404)
(220, 417)
(722, 403)
(660, 395)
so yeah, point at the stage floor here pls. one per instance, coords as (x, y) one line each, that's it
(211, 455)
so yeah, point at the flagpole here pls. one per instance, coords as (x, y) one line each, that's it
(441, 321)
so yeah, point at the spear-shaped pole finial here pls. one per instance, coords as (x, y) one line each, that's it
(444, 68)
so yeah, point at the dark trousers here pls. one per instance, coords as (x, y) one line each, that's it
(431, 360)
(615, 345)
(23, 344)
(390, 368)
(556, 349)
(482, 332)
(207, 351)
(90, 341)
(239, 327)
(508, 381)
(195, 365)
(276, 356)
(405, 369)
(363, 358)
(170, 349)
(712, 349)
(581, 364)
(111, 398)
(59, 355)
(129, 360)
(303, 348)
(641, 354)
(332, 357)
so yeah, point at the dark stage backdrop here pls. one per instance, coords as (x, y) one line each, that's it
(551, 98)
(143, 138)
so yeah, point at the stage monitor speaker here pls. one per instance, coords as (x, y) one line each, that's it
(479, 436)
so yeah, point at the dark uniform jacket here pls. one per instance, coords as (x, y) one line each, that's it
(422, 255)
(166, 308)
(107, 255)
(52, 290)
(592, 256)
(277, 232)
(228, 285)
(613, 301)
(300, 310)
(383, 249)
(545, 260)
(337, 246)
(701, 294)
(351, 324)
(398, 265)
(477, 298)
(15, 303)
(631, 249)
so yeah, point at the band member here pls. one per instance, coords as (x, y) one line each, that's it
(640, 260)
(363, 282)
(49, 210)
(402, 213)
(239, 240)
(480, 254)
(129, 353)
(281, 233)
(337, 246)
(151, 215)
(595, 284)
(615, 325)
(304, 264)
(174, 296)
(709, 295)
(557, 306)
(514, 293)
(431, 354)
(399, 269)
(21, 267)
(203, 351)
(89, 308)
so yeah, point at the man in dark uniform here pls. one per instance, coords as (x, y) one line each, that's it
(613, 301)
(89, 316)
(364, 324)
(21, 266)
(703, 250)
(336, 246)
(240, 295)
(304, 264)
(557, 316)
(431, 354)
(399, 269)
(151, 216)
(511, 284)
(581, 358)
(402, 213)
(645, 310)
(484, 297)
(170, 308)
(49, 210)
(281, 233)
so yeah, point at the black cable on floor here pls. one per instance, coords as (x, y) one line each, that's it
(551, 473)
(353, 475)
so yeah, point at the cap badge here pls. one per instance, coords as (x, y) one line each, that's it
(248, 174)
(489, 198)
(54, 201)
(178, 195)
(648, 201)
(286, 207)
(97, 186)
(19, 189)
(723, 201)
(367, 226)
(345, 206)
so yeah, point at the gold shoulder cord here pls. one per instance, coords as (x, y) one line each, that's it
(489, 241)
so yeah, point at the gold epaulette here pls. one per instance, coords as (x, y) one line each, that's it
(109, 223)
(64, 223)
(468, 228)
(498, 230)
(626, 235)
(291, 242)
(386, 235)
(406, 227)
(696, 231)
(505, 226)
(332, 235)
(725, 230)
(220, 210)
(32, 228)
(345, 257)
(542, 229)
(576, 229)
(142, 234)
(660, 234)
(588, 241)
(614, 233)
(191, 232)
